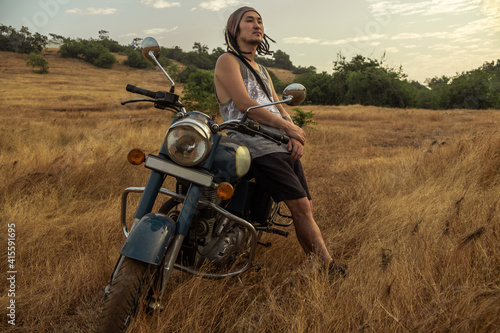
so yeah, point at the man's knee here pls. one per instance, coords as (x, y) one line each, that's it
(299, 208)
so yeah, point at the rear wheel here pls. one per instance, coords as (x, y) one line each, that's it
(133, 285)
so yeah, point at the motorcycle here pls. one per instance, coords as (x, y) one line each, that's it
(212, 222)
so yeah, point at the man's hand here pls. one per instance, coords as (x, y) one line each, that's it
(296, 148)
(295, 132)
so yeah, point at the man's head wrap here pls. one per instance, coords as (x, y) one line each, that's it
(233, 23)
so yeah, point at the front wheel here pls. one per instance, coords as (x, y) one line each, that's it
(133, 284)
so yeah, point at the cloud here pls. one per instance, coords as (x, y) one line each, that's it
(425, 8)
(300, 40)
(412, 35)
(130, 34)
(444, 47)
(217, 5)
(362, 39)
(92, 11)
(160, 4)
(391, 50)
(157, 31)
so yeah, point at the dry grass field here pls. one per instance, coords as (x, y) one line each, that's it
(407, 199)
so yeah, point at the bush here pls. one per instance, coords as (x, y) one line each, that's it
(37, 60)
(302, 118)
(183, 76)
(112, 45)
(71, 48)
(279, 85)
(135, 59)
(321, 89)
(470, 91)
(98, 55)
(91, 51)
(199, 92)
(21, 41)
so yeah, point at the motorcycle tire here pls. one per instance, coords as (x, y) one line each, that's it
(168, 206)
(131, 286)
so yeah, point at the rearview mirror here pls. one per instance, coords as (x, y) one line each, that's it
(297, 92)
(150, 48)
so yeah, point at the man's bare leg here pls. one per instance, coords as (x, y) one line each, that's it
(307, 230)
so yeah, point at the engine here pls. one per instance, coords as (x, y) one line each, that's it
(212, 239)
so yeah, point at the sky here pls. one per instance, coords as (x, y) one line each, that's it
(426, 38)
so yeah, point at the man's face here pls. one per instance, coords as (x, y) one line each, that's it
(251, 28)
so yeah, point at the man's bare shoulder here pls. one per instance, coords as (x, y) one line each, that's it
(227, 59)
(226, 64)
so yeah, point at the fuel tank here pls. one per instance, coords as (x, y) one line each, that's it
(231, 161)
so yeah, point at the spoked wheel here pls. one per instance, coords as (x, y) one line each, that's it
(133, 285)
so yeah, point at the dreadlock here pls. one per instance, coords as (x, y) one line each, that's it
(232, 28)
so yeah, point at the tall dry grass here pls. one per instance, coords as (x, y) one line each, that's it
(407, 199)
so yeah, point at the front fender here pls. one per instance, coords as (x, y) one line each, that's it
(150, 238)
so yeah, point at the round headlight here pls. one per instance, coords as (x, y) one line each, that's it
(188, 142)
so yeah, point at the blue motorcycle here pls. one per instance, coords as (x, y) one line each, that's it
(211, 224)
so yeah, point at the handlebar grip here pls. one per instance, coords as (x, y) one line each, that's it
(281, 137)
(140, 91)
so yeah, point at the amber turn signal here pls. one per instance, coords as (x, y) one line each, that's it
(225, 191)
(136, 156)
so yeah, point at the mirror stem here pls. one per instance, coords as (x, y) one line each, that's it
(245, 116)
(152, 55)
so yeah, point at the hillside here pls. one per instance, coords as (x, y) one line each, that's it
(78, 85)
(407, 199)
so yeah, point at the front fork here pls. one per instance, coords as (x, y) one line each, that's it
(183, 223)
(148, 198)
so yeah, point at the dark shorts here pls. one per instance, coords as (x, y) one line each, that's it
(282, 178)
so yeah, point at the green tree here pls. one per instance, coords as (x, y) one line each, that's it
(199, 92)
(216, 53)
(175, 53)
(303, 70)
(321, 88)
(440, 97)
(265, 61)
(71, 48)
(282, 60)
(21, 41)
(376, 86)
(98, 55)
(200, 49)
(112, 45)
(38, 62)
(91, 51)
(184, 75)
(368, 82)
(135, 59)
(470, 91)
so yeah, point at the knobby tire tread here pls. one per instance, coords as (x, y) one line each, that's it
(122, 301)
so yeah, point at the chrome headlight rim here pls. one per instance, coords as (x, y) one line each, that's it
(195, 127)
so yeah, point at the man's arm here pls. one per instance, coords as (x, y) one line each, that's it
(294, 146)
(229, 85)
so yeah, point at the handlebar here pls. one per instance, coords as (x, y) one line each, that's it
(251, 127)
(141, 91)
(162, 99)
(280, 137)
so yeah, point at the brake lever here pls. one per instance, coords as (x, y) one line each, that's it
(138, 100)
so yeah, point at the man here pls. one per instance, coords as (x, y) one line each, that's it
(241, 83)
